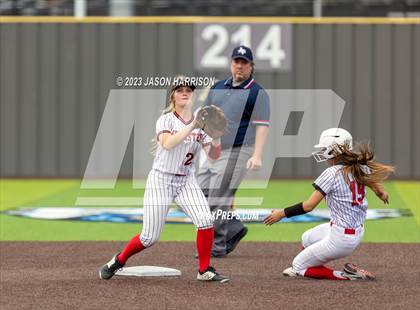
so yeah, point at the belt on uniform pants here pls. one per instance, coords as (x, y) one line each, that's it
(175, 174)
(347, 231)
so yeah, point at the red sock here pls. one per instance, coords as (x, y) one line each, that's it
(204, 244)
(133, 246)
(321, 272)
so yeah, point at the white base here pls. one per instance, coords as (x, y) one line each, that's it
(148, 271)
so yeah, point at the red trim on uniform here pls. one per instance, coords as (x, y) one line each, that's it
(215, 151)
(249, 84)
(160, 132)
(133, 246)
(182, 120)
(347, 231)
(204, 243)
(180, 175)
(321, 272)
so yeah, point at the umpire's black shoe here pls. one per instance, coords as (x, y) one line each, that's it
(210, 274)
(107, 271)
(232, 243)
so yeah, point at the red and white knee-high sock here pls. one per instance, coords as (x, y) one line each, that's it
(322, 272)
(204, 245)
(133, 246)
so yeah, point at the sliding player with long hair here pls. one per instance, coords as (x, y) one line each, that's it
(342, 184)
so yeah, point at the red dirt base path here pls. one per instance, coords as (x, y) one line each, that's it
(64, 275)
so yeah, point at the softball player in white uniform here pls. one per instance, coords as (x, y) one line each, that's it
(343, 187)
(172, 180)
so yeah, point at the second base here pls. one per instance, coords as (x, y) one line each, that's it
(148, 271)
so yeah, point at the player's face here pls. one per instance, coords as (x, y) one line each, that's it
(183, 96)
(240, 69)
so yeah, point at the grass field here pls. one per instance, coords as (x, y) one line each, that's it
(16, 193)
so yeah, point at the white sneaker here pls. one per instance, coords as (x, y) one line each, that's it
(289, 272)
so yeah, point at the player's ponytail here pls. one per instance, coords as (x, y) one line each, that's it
(171, 104)
(359, 161)
(169, 108)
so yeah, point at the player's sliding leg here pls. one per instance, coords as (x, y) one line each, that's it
(310, 262)
(322, 272)
(354, 272)
(351, 272)
(315, 234)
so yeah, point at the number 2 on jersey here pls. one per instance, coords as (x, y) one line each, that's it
(190, 157)
(358, 193)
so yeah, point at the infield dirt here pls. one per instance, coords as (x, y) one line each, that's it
(64, 275)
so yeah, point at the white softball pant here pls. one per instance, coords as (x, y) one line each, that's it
(324, 243)
(162, 189)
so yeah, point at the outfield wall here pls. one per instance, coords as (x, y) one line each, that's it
(56, 75)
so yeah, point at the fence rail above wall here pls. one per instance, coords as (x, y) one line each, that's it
(56, 74)
(208, 19)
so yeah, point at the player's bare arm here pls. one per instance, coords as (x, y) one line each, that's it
(307, 206)
(213, 149)
(169, 141)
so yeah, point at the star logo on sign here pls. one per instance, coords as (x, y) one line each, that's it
(242, 51)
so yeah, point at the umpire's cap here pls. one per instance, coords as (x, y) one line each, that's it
(243, 52)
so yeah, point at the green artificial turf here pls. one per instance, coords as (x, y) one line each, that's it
(280, 193)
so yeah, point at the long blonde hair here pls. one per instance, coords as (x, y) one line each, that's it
(170, 107)
(353, 160)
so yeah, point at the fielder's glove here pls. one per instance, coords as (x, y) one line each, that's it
(212, 121)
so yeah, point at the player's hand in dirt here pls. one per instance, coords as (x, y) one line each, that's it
(275, 216)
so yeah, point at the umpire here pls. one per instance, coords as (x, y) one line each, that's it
(246, 106)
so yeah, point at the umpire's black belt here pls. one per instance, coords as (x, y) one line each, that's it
(230, 146)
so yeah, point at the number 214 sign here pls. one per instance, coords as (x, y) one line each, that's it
(271, 45)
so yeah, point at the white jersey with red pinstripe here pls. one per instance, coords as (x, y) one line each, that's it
(339, 238)
(172, 180)
(180, 159)
(346, 199)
